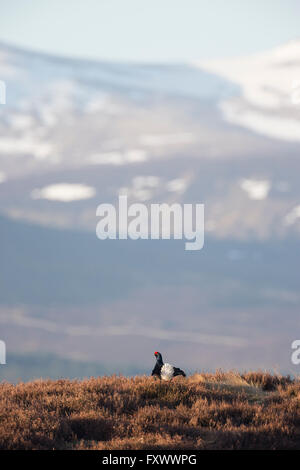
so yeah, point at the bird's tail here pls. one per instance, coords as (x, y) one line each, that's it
(178, 371)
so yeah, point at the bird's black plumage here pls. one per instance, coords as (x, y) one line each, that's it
(156, 370)
(165, 371)
(178, 371)
(158, 365)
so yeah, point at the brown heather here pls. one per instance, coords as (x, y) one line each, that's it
(229, 410)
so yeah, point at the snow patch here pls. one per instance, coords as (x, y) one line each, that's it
(177, 185)
(292, 216)
(64, 192)
(267, 82)
(157, 140)
(2, 177)
(261, 122)
(21, 121)
(142, 188)
(256, 189)
(24, 146)
(118, 158)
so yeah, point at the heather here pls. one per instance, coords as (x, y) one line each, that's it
(254, 410)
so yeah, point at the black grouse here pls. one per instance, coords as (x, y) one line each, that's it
(165, 371)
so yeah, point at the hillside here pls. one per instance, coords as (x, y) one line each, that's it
(255, 410)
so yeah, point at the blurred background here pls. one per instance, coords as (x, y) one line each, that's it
(173, 101)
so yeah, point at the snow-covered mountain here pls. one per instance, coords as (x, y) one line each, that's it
(75, 133)
(269, 103)
(121, 109)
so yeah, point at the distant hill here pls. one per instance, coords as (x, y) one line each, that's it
(107, 305)
(27, 367)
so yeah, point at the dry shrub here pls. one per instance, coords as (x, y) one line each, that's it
(254, 410)
(266, 380)
(90, 426)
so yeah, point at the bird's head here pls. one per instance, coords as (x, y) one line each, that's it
(158, 356)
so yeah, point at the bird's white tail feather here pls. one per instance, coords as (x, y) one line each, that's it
(167, 372)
